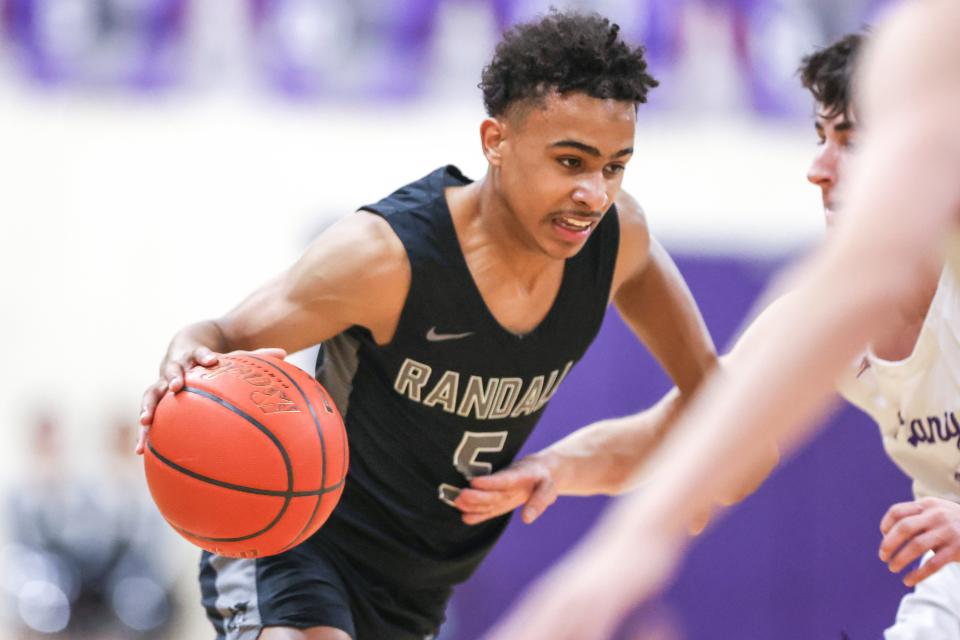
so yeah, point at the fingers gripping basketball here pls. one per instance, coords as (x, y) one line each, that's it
(249, 459)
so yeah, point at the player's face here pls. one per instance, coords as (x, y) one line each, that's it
(562, 165)
(836, 136)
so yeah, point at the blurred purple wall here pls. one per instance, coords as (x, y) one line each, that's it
(798, 560)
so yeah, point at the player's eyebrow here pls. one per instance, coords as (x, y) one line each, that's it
(843, 125)
(589, 149)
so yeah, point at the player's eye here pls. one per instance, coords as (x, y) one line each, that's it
(614, 169)
(570, 162)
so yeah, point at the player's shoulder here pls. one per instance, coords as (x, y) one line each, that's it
(357, 270)
(633, 251)
(634, 232)
(358, 239)
(360, 251)
(630, 214)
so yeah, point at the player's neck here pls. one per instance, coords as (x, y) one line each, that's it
(485, 222)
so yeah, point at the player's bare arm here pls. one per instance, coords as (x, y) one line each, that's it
(753, 475)
(532, 481)
(601, 458)
(355, 273)
(656, 304)
(630, 440)
(654, 301)
(640, 434)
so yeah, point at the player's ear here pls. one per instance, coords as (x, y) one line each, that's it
(492, 136)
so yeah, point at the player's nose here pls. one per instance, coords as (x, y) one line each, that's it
(823, 169)
(591, 192)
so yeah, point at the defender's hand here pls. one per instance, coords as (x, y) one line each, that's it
(173, 372)
(910, 529)
(526, 482)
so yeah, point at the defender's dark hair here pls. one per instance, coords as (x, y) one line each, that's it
(828, 74)
(564, 51)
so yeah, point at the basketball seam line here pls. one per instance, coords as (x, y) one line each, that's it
(283, 453)
(323, 448)
(241, 488)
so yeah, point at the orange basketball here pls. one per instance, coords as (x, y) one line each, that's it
(249, 459)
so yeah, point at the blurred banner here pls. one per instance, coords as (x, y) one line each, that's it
(739, 53)
(98, 43)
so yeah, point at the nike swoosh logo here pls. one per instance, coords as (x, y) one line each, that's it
(433, 336)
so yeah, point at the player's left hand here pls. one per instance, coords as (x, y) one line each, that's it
(910, 529)
(587, 594)
(526, 482)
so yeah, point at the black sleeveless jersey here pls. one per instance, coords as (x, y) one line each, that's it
(453, 394)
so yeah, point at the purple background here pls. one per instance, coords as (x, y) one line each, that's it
(797, 560)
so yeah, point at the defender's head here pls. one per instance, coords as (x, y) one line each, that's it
(828, 74)
(562, 95)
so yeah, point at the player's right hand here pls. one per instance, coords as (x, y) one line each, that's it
(527, 482)
(173, 372)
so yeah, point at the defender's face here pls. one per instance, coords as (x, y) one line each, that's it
(836, 138)
(561, 166)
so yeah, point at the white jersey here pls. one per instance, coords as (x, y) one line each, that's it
(916, 401)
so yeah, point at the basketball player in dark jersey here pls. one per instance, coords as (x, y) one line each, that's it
(450, 312)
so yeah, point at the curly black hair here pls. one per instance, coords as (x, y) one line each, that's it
(564, 52)
(828, 74)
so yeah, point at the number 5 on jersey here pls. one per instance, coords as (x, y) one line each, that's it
(465, 459)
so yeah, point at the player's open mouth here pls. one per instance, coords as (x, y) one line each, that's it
(574, 224)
